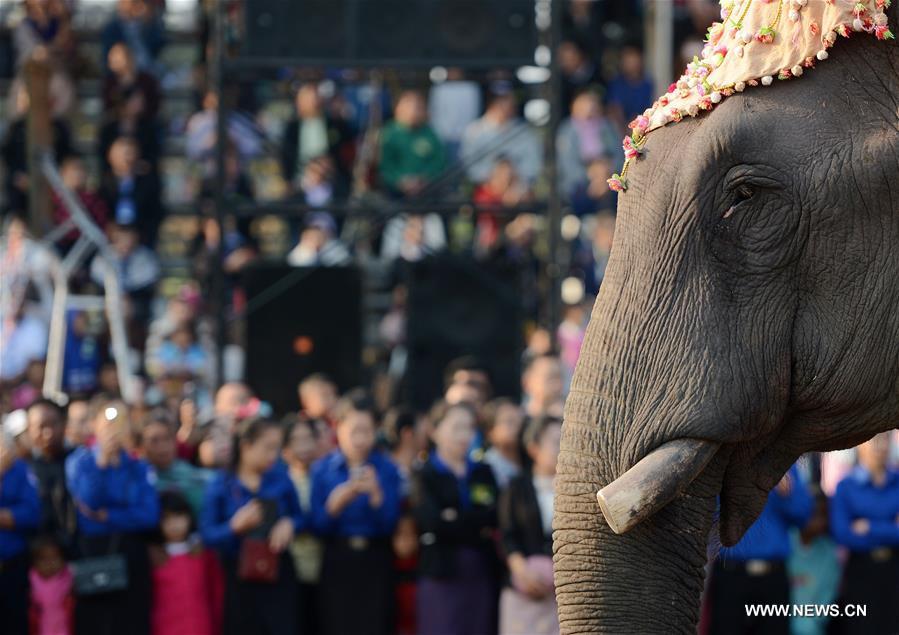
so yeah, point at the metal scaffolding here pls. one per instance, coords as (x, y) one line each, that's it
(92, 240)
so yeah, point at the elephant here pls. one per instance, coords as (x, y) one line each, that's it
(749, 306)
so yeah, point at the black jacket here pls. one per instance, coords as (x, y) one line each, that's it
(14, 153)
(147, 200)
(519, 519)
(145, 133)
(57, 507)
(341, 149)
(443, 524)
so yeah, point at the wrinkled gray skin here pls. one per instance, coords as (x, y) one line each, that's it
(774, 331)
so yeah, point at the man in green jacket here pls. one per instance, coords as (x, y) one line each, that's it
(411, 153)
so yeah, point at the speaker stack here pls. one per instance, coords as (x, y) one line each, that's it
(313, 324)
(459, 307)
(385, 32)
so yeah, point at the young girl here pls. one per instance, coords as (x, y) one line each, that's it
(52, 607)
(528, 604)
(299, 453)
(355, 507)
(250, 502)
(188, 586)
(454, 501)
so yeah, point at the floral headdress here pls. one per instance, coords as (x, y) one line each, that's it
(756, 42)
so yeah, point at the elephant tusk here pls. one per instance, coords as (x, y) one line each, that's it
(656, 480)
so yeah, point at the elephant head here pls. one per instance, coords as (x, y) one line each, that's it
(750, 303)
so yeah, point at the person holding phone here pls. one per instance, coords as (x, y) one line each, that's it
(250, 514)
(355, 508)
(116, 507)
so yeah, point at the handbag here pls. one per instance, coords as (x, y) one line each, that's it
(101, 574)
(257, 562)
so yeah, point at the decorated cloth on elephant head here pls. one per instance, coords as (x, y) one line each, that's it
(756, 42)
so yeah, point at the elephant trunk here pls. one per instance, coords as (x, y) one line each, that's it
(653, 398)
(647, 580)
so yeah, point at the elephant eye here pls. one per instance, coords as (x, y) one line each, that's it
(741, 194)
(744, 193)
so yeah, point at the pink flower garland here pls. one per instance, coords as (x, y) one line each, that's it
(694, 82)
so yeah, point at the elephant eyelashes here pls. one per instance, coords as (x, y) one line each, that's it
(744, 192)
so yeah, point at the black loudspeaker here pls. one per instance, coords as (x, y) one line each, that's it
(457, 307)
(382, 32)
(302, 321)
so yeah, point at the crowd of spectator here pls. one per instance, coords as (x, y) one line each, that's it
(826, 539)
(197, 510)
(462, 139)
(191, 509)
(334, 519)
(341, 519)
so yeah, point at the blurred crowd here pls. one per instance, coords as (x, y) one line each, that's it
(339, 518)
(193, 508)
(333, 519)
(410, 143)
(827, 539)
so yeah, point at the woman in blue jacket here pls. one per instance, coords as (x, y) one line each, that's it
(19, 513)
(864, 518)
(355, 508)
(255, 499)
(116, 507)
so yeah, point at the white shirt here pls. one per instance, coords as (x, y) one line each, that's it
(25, 342)
(503, 469)
(452, 106)
(394, 244)
(546, 495)
(484, 142)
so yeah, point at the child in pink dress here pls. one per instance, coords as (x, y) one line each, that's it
(188, 587)
(52, 607)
